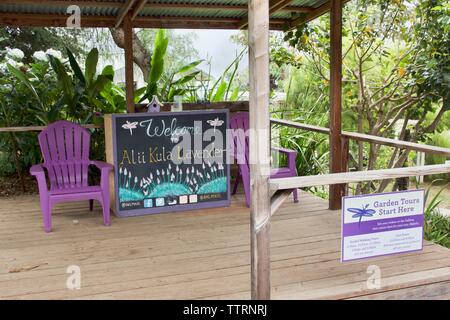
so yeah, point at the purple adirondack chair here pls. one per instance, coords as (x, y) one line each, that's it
(239, 122)
(65, 147)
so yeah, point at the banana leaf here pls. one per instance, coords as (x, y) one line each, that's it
(75, 67)
(91, 65)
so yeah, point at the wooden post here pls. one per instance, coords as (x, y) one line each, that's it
(336, 163)
(129, 74)
(345, 158)
(258, 35)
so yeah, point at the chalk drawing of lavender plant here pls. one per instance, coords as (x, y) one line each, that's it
(129, 188)
(173, 181)
(360, 213)
(214, 181)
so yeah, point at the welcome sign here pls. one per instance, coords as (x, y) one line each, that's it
(170, 161)
(382, 224)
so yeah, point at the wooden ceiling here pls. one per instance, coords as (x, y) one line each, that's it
(190, 14)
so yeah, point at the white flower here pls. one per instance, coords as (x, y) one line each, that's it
(13, 62)
(3, 68)
(40, 56)
(16, 54)
(54, 53)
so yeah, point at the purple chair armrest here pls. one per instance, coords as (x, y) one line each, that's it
(105, 169)
(284, 150)
(37, 170)
(102, 165)
(291, 158)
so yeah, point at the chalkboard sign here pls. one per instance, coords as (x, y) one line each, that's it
(170, 161)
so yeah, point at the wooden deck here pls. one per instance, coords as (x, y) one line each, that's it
(198, 255)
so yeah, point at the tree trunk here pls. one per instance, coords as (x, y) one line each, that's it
(141, 55)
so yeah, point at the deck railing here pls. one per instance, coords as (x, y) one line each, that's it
(280, 188)
(367, 138)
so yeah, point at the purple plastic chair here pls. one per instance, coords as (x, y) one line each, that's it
(239, 122)
(65, 147)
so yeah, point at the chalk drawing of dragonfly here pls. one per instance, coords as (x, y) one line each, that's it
(130, 126)
(360, 213)
(215, 123)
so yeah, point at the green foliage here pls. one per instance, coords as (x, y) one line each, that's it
(157, 66)
(186, 80)
(431, 71)
(165, 84)
(222, 87)
(438, 139)
(437, 226)
(30, 40)
(305, 103)
(49, 90)
(395, 71)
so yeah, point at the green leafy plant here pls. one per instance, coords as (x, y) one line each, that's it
(437, 226)
(166, 85)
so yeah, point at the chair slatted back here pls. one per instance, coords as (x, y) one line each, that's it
(239, 123)
(65, 148)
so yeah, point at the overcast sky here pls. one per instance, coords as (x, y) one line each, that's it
(217, 45)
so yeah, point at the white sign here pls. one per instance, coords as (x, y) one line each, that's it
(382, 224)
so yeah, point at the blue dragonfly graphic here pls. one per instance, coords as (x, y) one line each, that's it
(360, 213)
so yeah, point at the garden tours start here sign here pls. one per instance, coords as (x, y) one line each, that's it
(382, 224)
(170, 161)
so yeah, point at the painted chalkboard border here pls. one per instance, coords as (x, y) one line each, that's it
(167, 209)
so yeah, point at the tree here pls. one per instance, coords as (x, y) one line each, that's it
(141, 54)
(395, 71)
(180, 48)
(30, 40)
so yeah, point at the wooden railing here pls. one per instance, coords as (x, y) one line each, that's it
(40, 128)
(356, 176)
(367, 138)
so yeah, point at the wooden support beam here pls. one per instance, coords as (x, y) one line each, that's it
(129, 64)
(258, 38)
(336, 163)
(274, 5)
(278, 199)
(124, 12)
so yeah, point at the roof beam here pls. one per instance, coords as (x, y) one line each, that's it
(274, 6)
(146, 5)
(124, 11)
(137, 8)
(219, 6)
(313, 14)
(52, 20)
(65, 3)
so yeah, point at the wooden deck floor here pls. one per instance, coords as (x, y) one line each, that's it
(198, 255)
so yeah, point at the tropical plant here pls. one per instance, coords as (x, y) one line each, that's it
(167, 85)
(82, 91)
(46, 91)
(205, 89)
